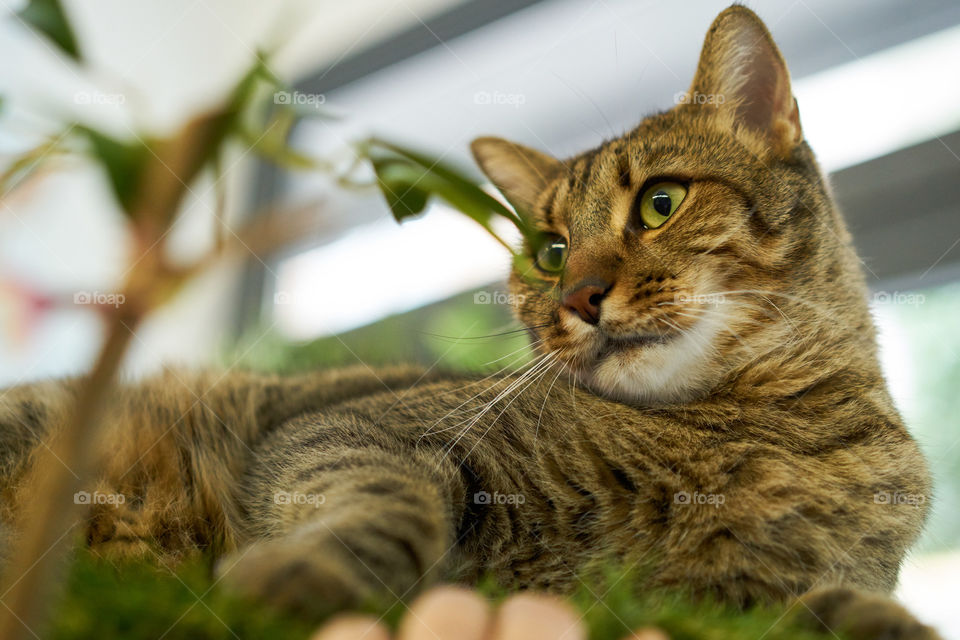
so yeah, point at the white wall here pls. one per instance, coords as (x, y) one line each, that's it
(151, 65)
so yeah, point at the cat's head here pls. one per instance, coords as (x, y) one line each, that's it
(700, 244)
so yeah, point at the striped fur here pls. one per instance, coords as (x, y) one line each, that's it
(745, 459)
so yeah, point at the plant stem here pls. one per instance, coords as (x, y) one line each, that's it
(52, 515)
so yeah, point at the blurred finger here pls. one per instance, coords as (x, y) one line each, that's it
(446, 613)
(648, 633)
(537, 617)
(352, 627)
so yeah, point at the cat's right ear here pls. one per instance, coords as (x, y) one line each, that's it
(743, 76)
(520, 173)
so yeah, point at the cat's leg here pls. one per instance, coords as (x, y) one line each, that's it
(172, 448)
(809, 532)
(860, 615)
(344, 524)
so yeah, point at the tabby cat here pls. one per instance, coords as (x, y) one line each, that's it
(707, 397)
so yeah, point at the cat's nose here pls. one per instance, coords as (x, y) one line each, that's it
(585, 299)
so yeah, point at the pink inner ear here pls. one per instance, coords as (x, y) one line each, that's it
(740, 63)
(766, 102)
(757, 99)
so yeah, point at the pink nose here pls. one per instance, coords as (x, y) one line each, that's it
(585, 301)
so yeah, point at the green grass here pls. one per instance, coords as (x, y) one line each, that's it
(135, 600)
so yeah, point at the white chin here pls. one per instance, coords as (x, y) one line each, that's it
(675, 371)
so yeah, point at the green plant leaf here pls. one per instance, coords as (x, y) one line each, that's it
(400, 183)
(124, 163)
(273, 143)
(456, 179)
(29, 162)
(48, 17)
(250, 98)
(409, 178)
(263, 121)
(141, 168)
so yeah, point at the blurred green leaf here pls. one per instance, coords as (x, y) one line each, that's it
(273, 142)
(264, 121)
(468, 187)
(48, 17)
(132, 166)
(251, 97)
(25, 164)
(124, 163)
(408, 179)
(402, 185)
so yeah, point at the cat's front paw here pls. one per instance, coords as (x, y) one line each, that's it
(290, 577)
(860, 615)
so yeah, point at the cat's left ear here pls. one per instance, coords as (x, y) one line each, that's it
(742, 74)
(520, 173)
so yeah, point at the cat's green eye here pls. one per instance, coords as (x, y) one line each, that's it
(552, 254)
(659, 202)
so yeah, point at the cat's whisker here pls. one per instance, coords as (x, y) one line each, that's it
(762, 296)
(500, 371)
(777, 294)
(522, 376)
(521, 380)
(511, 333)
(534, 379)
(547, 397)
(430, 430)
(687, 333)
(673, 325)
(497, 374)
(527, 375)
(529, 346)
(740, 303)
(724, 325)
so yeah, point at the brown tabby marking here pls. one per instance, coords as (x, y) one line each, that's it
(725, 419)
